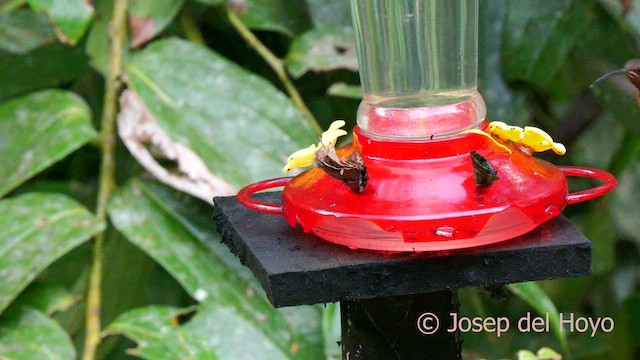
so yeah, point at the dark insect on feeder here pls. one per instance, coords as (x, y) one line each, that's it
(350, 170)
(483, 173)
(632, 70)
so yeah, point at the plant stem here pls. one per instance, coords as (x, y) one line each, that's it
(117, 33)
(190, 27)
(276, 65)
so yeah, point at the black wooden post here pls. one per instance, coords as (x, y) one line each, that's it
(400, 327)
(384, 296)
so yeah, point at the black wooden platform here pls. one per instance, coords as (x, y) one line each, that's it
(297, 268)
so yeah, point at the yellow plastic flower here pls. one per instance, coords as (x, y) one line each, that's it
(306, 156)
(530, 138)
(504, 132)
(537, 140)
(300, 158)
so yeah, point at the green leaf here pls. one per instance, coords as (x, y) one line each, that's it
(147, 18)
(345, 90)
(326, 13)
(211, 2)
(38, 229)
(503, 103)
(147, 220)
(47, 298)
(624, 202)
(240, 125)
(30, 334)
(622, 106)
(526, 355)
(69, 17)
(37, 130)
(332, 331)
(45, 67)
(546, 353)
(24, 30)
(630, 20)
(323, 49)
(288, 17)
(532, 294)
(537, 42)
(598, 225)
(156, 331)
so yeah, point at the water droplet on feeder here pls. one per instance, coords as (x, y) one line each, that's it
(446, 231)
(552, 211)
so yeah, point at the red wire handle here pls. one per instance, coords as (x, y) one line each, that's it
(608, 183)
(244, 195)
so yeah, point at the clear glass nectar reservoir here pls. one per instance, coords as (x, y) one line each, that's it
(418, 66)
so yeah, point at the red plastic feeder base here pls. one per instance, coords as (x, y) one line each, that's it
(421, 195)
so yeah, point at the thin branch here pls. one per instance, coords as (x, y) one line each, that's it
(117, 32)
(276, 64)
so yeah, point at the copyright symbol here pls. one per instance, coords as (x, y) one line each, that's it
(428, 323)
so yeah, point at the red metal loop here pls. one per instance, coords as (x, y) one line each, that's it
(609, 182)
(244, 195)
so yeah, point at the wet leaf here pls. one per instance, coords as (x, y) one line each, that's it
(321, 50)
(24, 30)
(147, 18)
(37, 130)
(36, 230)
(534, 295)
(538, 42)
(147, 220)
(30, 334)
(70, 18)
(240, 125)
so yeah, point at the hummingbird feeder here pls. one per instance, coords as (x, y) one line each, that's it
(426, 171)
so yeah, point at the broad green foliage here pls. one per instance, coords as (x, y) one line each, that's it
(36, 230)
(323, 50)
(147, 18)
(239, 124)
(535, 296)
(30, 334)
(43, 67)
(168, 283)
(538, 42)
(23, 30)
(285, 16)
(141, 213)
(69, 17)
(38, 129)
